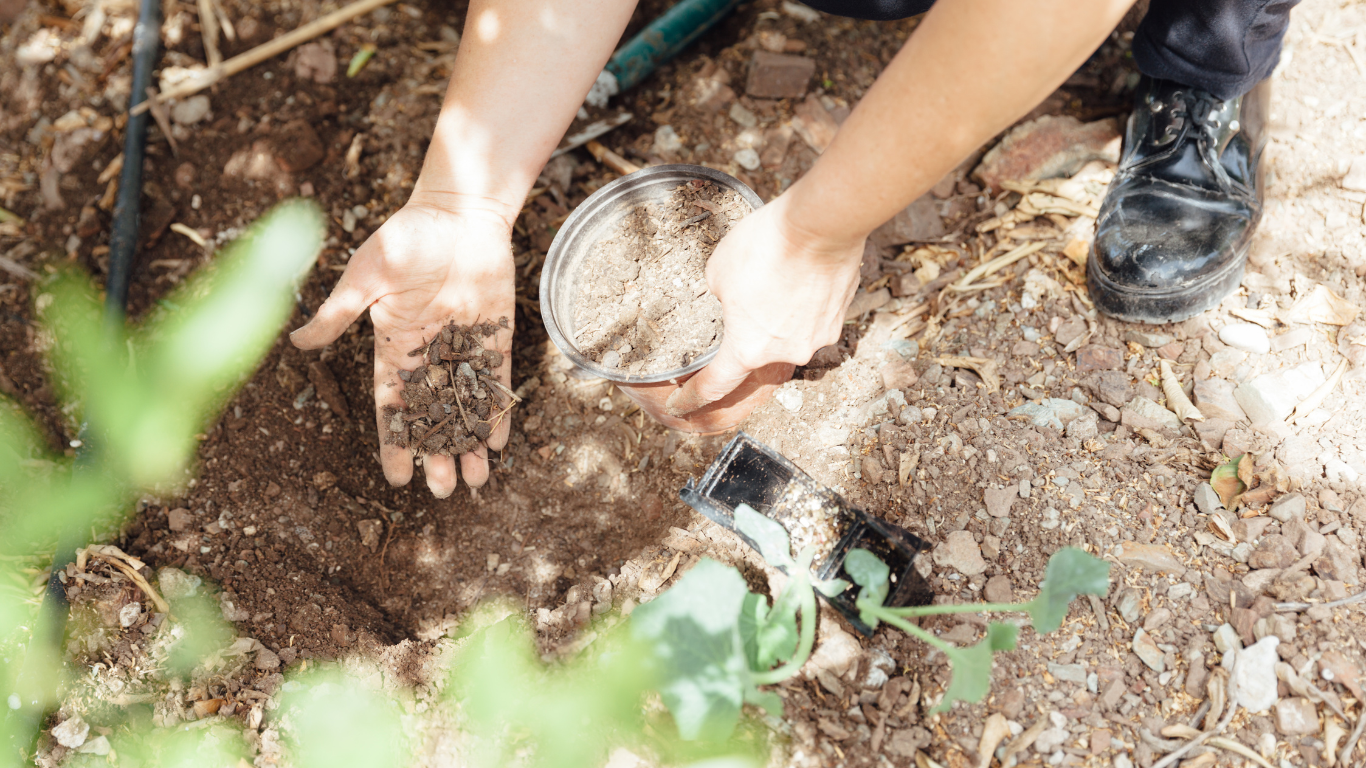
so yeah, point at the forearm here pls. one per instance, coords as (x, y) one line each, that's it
(520, 76)
(971, 68)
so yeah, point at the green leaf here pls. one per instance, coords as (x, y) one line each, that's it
(768, 534)
(831, 587)
(770, 701)
(972, 666)
(773, 637)
(1226, 482)
(872, 574)
(1070, 572)
(694, 630)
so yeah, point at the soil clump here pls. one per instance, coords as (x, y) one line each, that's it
(451, 401)
(644, 304)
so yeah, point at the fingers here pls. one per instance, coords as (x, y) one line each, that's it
(349, 298)
(708, 385)
(440, 472)
(474, 467)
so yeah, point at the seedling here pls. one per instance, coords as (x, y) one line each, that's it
(1070, 572)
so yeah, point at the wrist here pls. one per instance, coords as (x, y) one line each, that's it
(807, 240)
(494, 209)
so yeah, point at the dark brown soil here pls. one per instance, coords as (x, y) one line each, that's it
(644, 304)
(449, 404)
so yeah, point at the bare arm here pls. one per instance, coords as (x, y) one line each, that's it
(785, 274)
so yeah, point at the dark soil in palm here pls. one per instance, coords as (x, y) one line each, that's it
(644, 306)
(449, 404)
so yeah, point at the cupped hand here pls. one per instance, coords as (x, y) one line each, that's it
(424, 268)
(783, 293)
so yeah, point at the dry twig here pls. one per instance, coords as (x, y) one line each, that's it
(1000, 262)
(1316, 398)
(611, 159)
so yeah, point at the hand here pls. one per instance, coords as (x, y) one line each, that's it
(783, 293)
(427, 266)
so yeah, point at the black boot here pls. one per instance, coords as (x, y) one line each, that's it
(1175, 226)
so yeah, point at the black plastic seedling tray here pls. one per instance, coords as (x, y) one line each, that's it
(749, 472)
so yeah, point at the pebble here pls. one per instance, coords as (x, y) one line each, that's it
(72, 732)
(999, 590)
(1180, 591)
(1214, 397)
(961, 552)
(1253, 683)
(1246, 337)
(1226, 637)
(1288, 507)
(789, 396)
(836, 654)
(190, 110)
(1272, 396)
(999, 500)
(1296, 716)
(128, 614)
(1142, 412)
(1053, 412)
(611, 359)
(1152, 557)
(1069, 673)
(746, 158)
(176, 584)
(1128, 604)
(1150, 340)
(1207, 500)
(743, 116)
(1156, 619)
(667, 140)
(1095, 358)
(1147, 651)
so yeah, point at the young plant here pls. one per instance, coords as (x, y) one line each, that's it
(1070, 572)
(714, 642)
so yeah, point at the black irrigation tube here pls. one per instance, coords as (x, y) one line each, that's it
(50, 628)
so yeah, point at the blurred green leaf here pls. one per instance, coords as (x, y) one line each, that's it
(971, 666)
(200, 630)
(221, 746)
(872, 575)
(339, 719)
(768, 534)
(1070, 572)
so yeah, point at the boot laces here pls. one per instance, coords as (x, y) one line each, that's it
(1192, 110)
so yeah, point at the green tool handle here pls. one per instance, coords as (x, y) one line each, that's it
(664, 38)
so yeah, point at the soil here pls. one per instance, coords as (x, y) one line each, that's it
(449, 405)
(289, 522)
(643, 302)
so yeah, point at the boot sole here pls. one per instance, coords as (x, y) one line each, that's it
(1160, 307)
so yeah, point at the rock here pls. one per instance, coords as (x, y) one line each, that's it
(1150, 340)
(1296, 337)
(1272, 396)
(1226, 637)
(1151, 557)
(1312, 544)
(1339, 562)
(1253, 682)
(1142, 413)
(898, 374)
(871, 469)
(880, 666)
(1247, 337)
(1296, 716)
(1273, 552)
(1288, 507)
(266, 659)
(1128, 604)
(746, 158)
(98, 746)
(369, 533)
(324, 480)
(231, 611)
(129, 614)
(1214, 398)
(1050, 740)
(1048, 147)
(1157, 619)
(1212, 432)
(1108, 412)
(998, 590)
(960, 552)
(71, 732)
(176, 584)
(1237, 442)
(918, 221)
(1112, 387)
(296, 147)
(1071, 330)
(1093, 357)
(190, 110)
(179, 519)
(908, 741)
(999, 500)
(1084, 428)
(778, 76)
(316, 61)
(1207, 500)
(836, 653)
(789, 396)
(1053, 412)
(1147, 651)
(1069, 673)
(743, 116)
(1226, 361)
(815, 125)
(1355, 180)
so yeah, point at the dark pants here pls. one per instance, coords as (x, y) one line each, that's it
(1222, 46)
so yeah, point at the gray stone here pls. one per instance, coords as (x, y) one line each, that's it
(1224, 362)
(999, 590)
(1271, 397)
(1084, 427)
(1226, 637)
(1296, 716)
(1288, 507)
(1129, 603)
(176, 584)
(1212, 432)
(1150, 340)
(1214, 398)
(999, 500)
(1246, 337)
(1312, 544)
(1071, 330)
(961, 552)
(1050, 740)
(1152, 557)
(1273, 552)
(837, 652)
(72, 732)
(778, 76)
(1111, 386)
(1147, 651)
(1144, 413)
(1109, 412)
(1069, 673)
(1206, 499)
(267, 659)
(1157, 619)
(1054, 413)
(1340, 562)
(1253, 682)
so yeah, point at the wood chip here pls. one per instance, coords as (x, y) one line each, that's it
(984, 368)
(1176, 397)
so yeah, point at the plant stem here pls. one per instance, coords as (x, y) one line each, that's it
(804, 645)
(935, 610)
(886, 615)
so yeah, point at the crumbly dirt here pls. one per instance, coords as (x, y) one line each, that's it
(291, 527)
(449, 404)
(642, 303)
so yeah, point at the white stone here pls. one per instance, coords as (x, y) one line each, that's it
(836, 654)
(1147, 651)
(789, 396)
(1207, 500)
(128, 614)
(1050, 740)
(1254, 683)
(1247, 337)
(97, 746)
(72, 732)
(176, 584)
(747, 159)
(190, 110)
(1355, 180)
(743, 116)
(1271, 397)
(1288, 507)
(667, 140)
(1226, 637)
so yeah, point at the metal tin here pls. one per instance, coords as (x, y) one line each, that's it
(586, 226)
